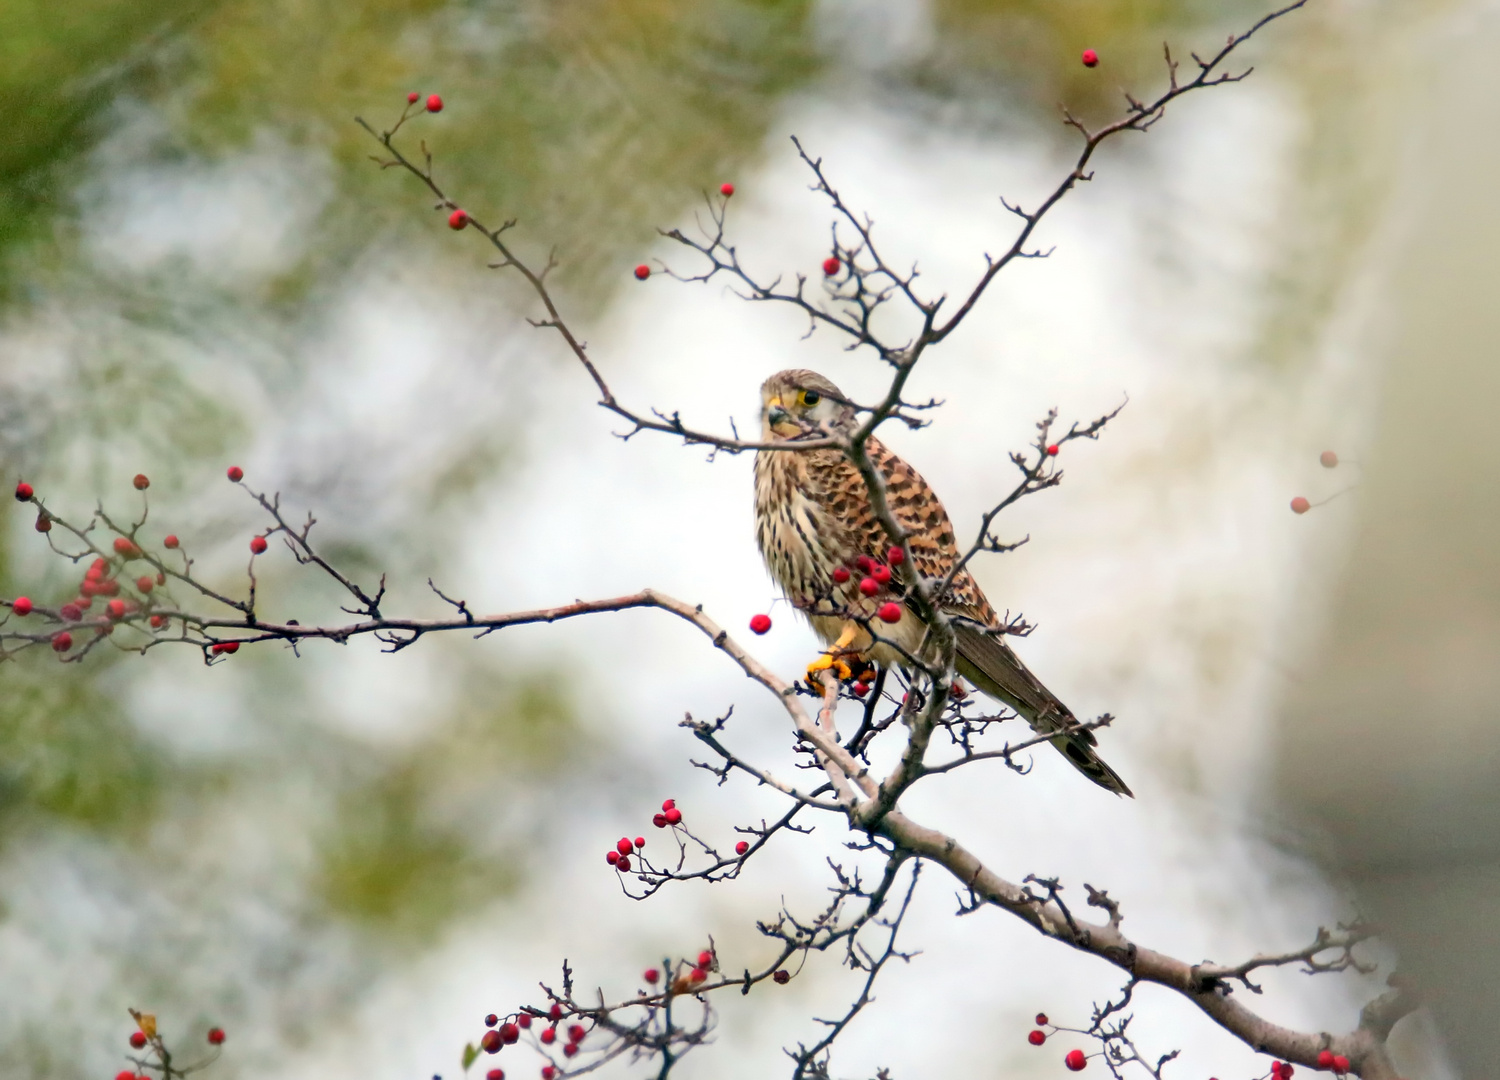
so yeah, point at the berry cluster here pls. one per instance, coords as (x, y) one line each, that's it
(507, 1031)
(1076, 1060)
(147, 1038)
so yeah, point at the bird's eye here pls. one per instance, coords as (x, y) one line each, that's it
(809, 398)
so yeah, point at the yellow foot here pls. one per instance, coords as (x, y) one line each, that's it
(823, 663)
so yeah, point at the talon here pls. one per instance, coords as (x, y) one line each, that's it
(824, 663)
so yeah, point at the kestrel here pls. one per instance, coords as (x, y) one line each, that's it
(813, 515)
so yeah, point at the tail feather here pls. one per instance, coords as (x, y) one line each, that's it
(988, 663)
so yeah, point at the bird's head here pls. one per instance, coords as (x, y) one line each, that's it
(798, 402)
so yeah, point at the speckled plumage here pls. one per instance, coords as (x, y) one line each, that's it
(813, 514)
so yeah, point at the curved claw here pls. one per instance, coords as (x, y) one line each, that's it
(823, 663)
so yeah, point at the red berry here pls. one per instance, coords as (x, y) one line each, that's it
(861, 689)
(140, 482)
(108, 587)
(509, 1032)
(1090, 58)
(642, 272)
(458, 219)
(161, 577)
(705, 959)
(669, 804)
(43, 523)
(1325, 1059)
(21, 605)
(1075, 1060)
(126, 548)
(659, 820)
(523, 1021)
(673, 816)
(125, 1074)
(882, 574)
(1036, 1038)
(157, 622)
(640, 841)
(1328, 459)
(895, 556)
(576, 1033)
(83, 602)
(697, 975)
(869, 586)
(570, 1050)
(1041, 1018)
(62, 643)
(258, 545)
(831, 265)
(840, 574)
(623, 865)
(651, 975)
(70, 612)
(782, 977)
(235, 474)
(1340, 1064)
(742, 847)
(726, 190)
(434, 103)
(760, 624)
(1300, 505)
(890, 612)
(491, 1042)
(1052, 450)
(230, 647)
(555, 1012)
(413, 97)
(216, 1036)
(495, 1074)
(170, 542)
(137, 1039)
(548, 1072)
(611, 856)
(625, 847)
(491, 1020)
(24, 492)
(145, 584)
(865, 564)
(117, 609)
(549, 1036)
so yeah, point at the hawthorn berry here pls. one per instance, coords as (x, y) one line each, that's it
(782, 977)
(125, 1074)
(726, 190)
(1052, 450)
(117, 609)
(170, 542)
(840, 574)
(1090, 58)
(491, 1020)
(1037, 1037)
(21, 605)
(230, 647)
(642, 272)
(491, 1042)
(555, 1012)
(495, 1074)
(1328, 459)
(651, 975)
(216, 1036)
(83, 602)
(158, 621)
(161, 577)
(895, 556)
(126, 548)
(70, 612)
(623, 865)
(860, 689)
(668, 804)
(697, 975)
(869, 586)
(890, 612)
(24, 492)
(625, 847)
(235, 474)
(43, 523)
(659, 820)
(576, 1033)
(1300, 505)
(1041, 1019)
(434, 103)
(760, 624)
(523, 1021)
(882, 574)
(865, 564)
(258, 545)
(549, 1036)
(413, 97)
(570, 1050)
(742, 847)
(458, 219)
(137, 1039)
(141, 482)
(1075, 1060)
(1340, 1065)
(1325, 1059)
(705, 959)
(673, 816)
(611, 856)
(509, 1032)
(145, 583)
(831, 265)
(548, 1072)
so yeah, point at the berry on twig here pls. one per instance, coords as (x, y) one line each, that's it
(21, 605)
(1037, 1037)
(434, 103)
(216, 1036)
(140, 482)
(642, 272)
(258, 545)
(726, 190)
(24, 492)
(1090, 58)
(760, 624)
(1075, 1060)
(890, 612)
(458, 219)
(742, 847)
(235, 474)
(831, 266)
(1300, 505)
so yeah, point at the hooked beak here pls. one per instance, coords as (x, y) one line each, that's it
(776, 413)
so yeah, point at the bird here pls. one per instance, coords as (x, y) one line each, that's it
(813, 515)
